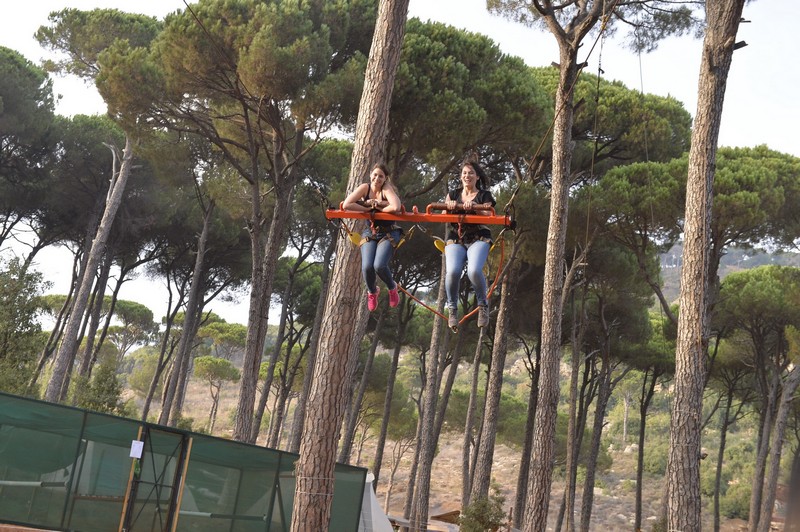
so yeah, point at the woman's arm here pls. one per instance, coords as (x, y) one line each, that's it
(450, 202)
(352, 201)
(485, 206)
(392, 204)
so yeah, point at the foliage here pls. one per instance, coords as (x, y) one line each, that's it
(145, 362)
(735, 504)
(483, 514)
(103, 393)
(655, 457)
(20, 333)
(511, 422)
(26, 136)
(403, 414)
(215, 370)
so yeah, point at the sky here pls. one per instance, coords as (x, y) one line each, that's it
(760, 105)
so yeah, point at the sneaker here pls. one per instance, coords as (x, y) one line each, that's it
(372, 300)
(483, 316)
(394, 297)
(452, 318)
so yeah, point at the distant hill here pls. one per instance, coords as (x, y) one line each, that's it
(737, 259)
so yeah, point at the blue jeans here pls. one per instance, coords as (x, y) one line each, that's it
(475, 256)
(376, 253)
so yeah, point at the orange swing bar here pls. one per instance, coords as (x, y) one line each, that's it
(428, 216)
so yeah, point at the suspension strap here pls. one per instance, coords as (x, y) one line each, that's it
(406, 292)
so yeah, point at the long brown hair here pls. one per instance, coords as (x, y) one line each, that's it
(483, 181)
(382, 167)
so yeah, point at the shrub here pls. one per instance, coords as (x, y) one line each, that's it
(483, 514)
(735, 504)
(655, 458)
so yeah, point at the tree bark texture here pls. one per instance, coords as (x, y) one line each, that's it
(683, 469)
(69, 344)
(300, 410)
(468, 448)
(648, 390)
(482, 475)
(332, 371)
(775, 449)
(260, 297)
(525, 462)
(403, 317)
(351, 416)
(170, 412)
(603, 394)
(417, 503)
(542, 452)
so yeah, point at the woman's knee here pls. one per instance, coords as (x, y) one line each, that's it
(383, 271)
(367, 268)
(475, 273)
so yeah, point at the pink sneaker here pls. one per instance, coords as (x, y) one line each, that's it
(372, 300)
(394, 297)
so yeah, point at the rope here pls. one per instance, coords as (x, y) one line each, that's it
(601, 34)
(412, 296)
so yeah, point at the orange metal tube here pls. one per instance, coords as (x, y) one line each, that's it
(427, 217)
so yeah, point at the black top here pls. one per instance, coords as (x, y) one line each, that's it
(380, 226)
(470, 232)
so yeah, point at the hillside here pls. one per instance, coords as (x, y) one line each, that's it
(734, 261)
(613, 506)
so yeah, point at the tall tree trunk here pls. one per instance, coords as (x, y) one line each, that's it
(300, 411)
(447, 388)
(69, 343)
(351, 416)
(408, 505)
(482, 475)
(573, 442)
(417, 506)
(276, 420)
(683, 469)
(58, 329)
(107, 322)
(260, 297)
(648, 390)
(399, 449)
(469, 440)
(603, 394)
(723, 435)
(97, 309)
(403, 317)
(769, 400)
(527, 445)
(170, 412)
(164, 356)
(542, 452)
(266, 386)
(332, 371)
(776, 446)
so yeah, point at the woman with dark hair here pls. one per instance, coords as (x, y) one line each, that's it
(380, 237)
(468, 243)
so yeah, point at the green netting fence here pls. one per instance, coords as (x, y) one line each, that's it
(63, 468)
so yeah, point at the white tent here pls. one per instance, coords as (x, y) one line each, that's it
(373, 518)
